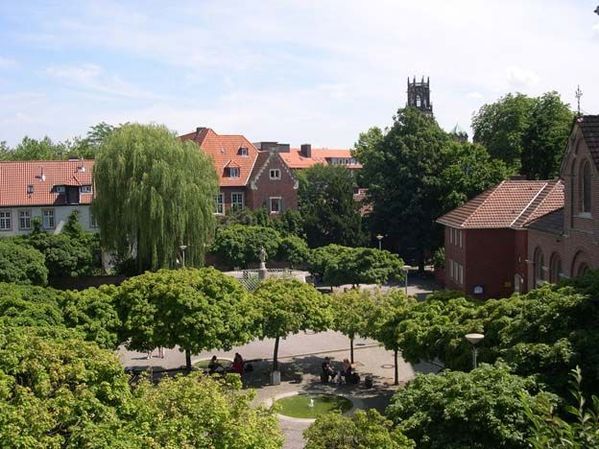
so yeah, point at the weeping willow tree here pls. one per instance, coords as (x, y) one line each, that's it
(154, 193)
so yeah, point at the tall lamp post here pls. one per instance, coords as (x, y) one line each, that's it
(406, 270)
(379, 237)
(183, 248)
(474, 339)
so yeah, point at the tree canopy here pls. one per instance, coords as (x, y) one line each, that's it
(195, 309)
(327, 206)
(238, 245)
(21, 264)
(154, 193)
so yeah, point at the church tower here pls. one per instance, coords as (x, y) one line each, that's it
(419, 95)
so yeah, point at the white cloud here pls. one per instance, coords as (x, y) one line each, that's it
(7, 63)
(519, 77)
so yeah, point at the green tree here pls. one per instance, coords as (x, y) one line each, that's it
(500, 127)
(401, 172)
(326, 203)
(351, 312)
(294, 250)
(153, 194)
(363, 430)
(545, 139)
(481, 409)
(21, 264)
(32, 149)
(239, 245)
(288, 306)
(26, 305)
(194, 309)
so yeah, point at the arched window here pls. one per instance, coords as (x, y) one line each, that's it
(585, 187)
(538, 277)
(555, 269)
(583, 269)
(418, 101)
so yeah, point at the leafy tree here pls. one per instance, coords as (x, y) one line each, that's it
(546, 137)
(198, 411)
(194, 309)
(31, 149)
(290, 222)
(288, 306)
(351, 312)
(294, 250)
(153, 194)
(401, 172)
(481, 409)
(363, 430)
(500, 127)
(21, 264)
(26, 305)
(238, 245)
(93, 312)
(367, 141)
(326, 203)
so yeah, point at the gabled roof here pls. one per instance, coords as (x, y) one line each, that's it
(589, 125)
(224, 150)
(553, 222)
(262, 162)
(510, 204)
(43, 176)
(295, 160)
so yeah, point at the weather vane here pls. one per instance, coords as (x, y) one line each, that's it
(578, 94)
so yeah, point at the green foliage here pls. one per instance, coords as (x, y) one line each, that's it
(239, 245)
(439, 258)
(154, 193)
(21, 264)
(31, 149)
(580, 432)
(387, 312)
(485, 408)
(326, 203)
(294, 250)
(195, 309)
(363, 430)
(338, 265)
(351, 312)
(25, 305)
(528, 134)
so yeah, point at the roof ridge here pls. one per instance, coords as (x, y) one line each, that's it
(529, 204)
(489, 194)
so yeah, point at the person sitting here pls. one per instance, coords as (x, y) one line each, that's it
(237, 366)
(346, 370)
(327, 371)
(214, 366)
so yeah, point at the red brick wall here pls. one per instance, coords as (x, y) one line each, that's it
(454, 252)
(262, 188)
(228, 191)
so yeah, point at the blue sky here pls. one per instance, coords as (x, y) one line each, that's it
(293, 71)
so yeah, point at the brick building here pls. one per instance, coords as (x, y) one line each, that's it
(48, 190)
(486, 239)
(565, 243)
(248, 177)
(306, 156)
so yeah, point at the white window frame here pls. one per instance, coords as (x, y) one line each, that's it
(26, 217)
(86, 188)
(48, 219)
(243, 151)
(234, 172)
(219, 204)
(5, 220)
(270, 203)
(237, 204)
(277, 174)
(61, 189)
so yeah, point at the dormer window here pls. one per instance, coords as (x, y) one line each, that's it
(59, 189)
(233, 172)
(243, 151)
(86, 189)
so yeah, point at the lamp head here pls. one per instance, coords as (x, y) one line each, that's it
(474, 338)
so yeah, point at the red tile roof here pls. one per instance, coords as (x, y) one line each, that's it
(225, 152)
(295, 160)
(510, 204)
(16, 177)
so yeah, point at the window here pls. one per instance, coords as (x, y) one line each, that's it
(275, 173)
(24, 220)
(555, 269)
(460, 274)
(237, 200)
(276, 205)
(5, 221)
(583, 269)
(234, 172)
(48, 218)
(243, 151)
(86, 189)
(30, 189)
(418, 101)
(60, 189)
(461, 238)
(585, 188)
(219, 204)
(538, 267)
(451, 235)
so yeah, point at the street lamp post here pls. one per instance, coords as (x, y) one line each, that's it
(379, 237)
(183, 248)
(406, 270)
(474, 339)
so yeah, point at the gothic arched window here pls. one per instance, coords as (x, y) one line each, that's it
(418, 101)
(538, 267)
(555, 269)
(585, 187)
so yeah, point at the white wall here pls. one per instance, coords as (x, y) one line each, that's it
(61, 215)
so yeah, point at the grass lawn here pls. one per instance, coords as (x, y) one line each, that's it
(298, 406)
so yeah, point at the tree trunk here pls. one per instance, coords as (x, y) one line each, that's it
(351, 349)
(275, 360)
(188, 360)
(395, 367)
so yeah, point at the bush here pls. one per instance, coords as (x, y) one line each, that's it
(239, 245)
(294, 250)
(21, 264)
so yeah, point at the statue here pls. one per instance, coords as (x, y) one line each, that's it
(263, 255)
(262, 270)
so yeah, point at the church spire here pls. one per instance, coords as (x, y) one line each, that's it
(419, 95)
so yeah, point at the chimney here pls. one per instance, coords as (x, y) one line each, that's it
(306, 150)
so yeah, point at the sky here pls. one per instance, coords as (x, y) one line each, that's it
(297, 72)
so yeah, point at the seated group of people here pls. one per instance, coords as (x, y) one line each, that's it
(346, 372)
(215, 367)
